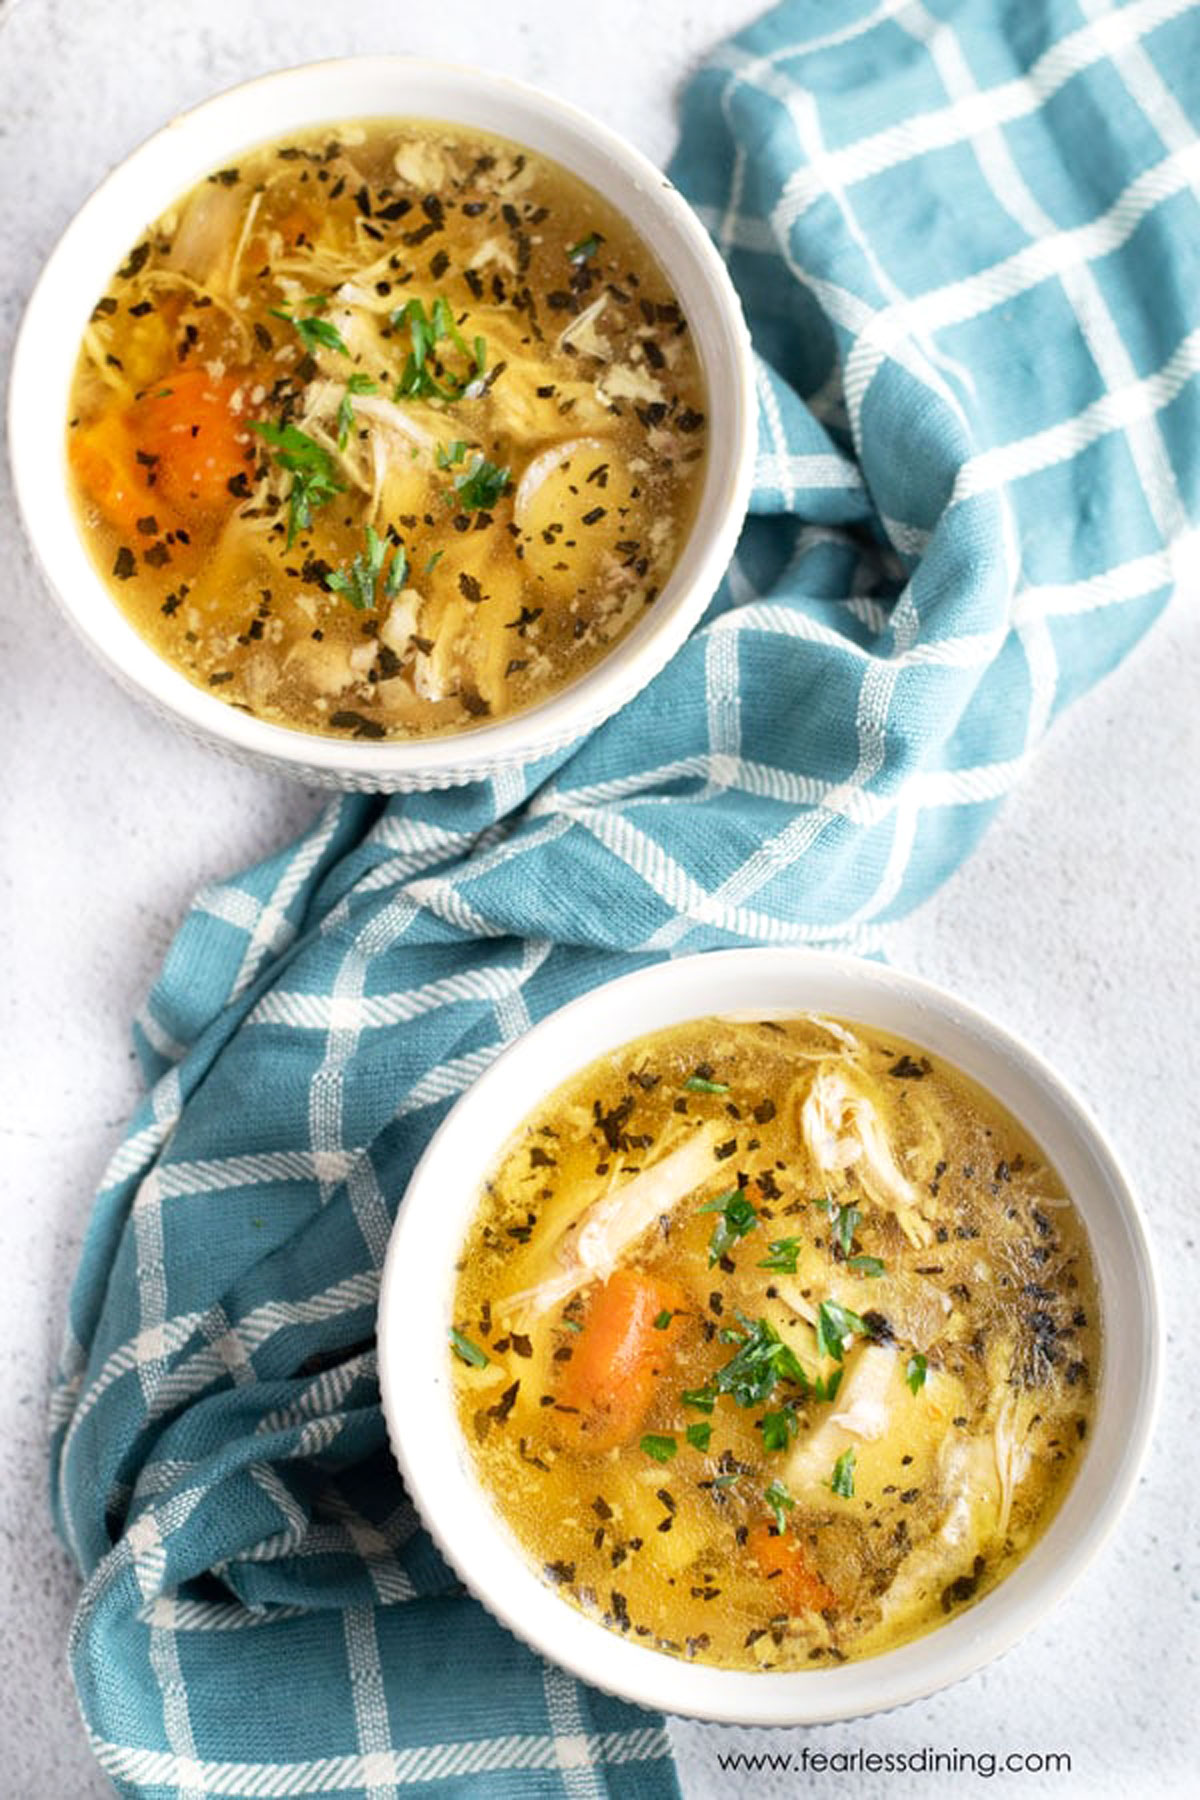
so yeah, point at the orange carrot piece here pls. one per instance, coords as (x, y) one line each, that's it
(298, 222)
(619, 1355)
(200, 444)
(102, 456)
(784, 1564)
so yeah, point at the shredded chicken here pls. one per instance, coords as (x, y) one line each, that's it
(398, 420)
(866, 1415)
(967, 1479)
(594, 1243)
(622, 382)
(1011, 1453)
(841, 1128)
(862, 1416)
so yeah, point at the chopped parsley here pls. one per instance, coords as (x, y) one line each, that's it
(865, 1265)
(699, 1434)
(835, 1323)
(397, 573)
(480, 485)
(780, 1503)
(449, 454)
(418, 380)
(661, 1447)
(762, 1360)
(844, 1221)
(843, 1475)
(314, 478)
(698, 1084)
(779, 1428)
(357, 584)
(783, 1257)
(585, 249)
(915, 1371)
(469, 1352)
(314, 332)
(827, 1390)
(737, 1219)
(703, 1399)
(357, 384)
(664, 1319)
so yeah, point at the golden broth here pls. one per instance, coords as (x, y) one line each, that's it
(389, 429)
(775, 1343)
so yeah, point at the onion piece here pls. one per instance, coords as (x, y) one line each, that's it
(544, 464)
(581, 333)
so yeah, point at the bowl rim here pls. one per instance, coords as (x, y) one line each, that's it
(435, 1462)
(224, 124)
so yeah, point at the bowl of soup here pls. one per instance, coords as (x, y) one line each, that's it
(388, 422)
(769, 1337)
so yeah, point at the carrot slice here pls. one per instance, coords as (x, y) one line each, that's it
(784, 1564)
(619, 1355)
(200, 444)
(102, 456)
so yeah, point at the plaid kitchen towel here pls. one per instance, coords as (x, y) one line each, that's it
(968, 241)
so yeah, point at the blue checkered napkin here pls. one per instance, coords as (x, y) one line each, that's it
(967, 243)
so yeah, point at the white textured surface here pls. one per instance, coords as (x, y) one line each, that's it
(1075, 923)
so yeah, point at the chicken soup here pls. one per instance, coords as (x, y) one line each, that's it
(387, 430)
(775, 1343)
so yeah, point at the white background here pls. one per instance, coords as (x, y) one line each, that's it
(1075, 925)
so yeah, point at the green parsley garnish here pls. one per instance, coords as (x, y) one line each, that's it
(835, 1323)
(357, 584)
(915, 1371)
(480, 485)
(737, 1219)
(697, 1084)
(449, 454)
(827, 1390)
(698, 1435)
(314, 332)
(357, 384)
(843, 1475)
(314, 478)
(763, 1359)
(661, 1448)
(865, 1265)
(585, 248)
(395, 578)
(664, 1319)
(784, 1253)
(844, 1221)
(433, 562)
(469, 1352)
(426, 330)
(779, 1428)
(703, 1399)
(780, 1503)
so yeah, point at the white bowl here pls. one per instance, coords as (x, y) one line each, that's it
(416, 1306)
(216, 133)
